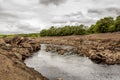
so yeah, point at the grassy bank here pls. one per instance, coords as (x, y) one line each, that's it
(23, 35)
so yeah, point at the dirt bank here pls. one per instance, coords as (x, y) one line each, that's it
(13, 52)
(100, 48)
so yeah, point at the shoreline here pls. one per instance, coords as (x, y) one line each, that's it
(13, 52)
(100, 48)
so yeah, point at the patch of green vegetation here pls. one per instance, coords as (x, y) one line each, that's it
(104, 25)
(107, 24)
(64, 31)
(7, 36)
(30, 35)
(24, 35)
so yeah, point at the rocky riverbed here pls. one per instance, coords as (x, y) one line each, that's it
(13, 52)
(100, 48)
(61, 49)
(70, 66)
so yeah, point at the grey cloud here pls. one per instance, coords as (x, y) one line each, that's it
(26, 27)
(114, 10)
(104, 11)
(55, 2)
(75, 14)
(85, 21)
(19, 28)
(60, 22)
(23, 28)
(8, 18)
(12, 18)
(4, 14)
(17, 16)
(94, 11)
(77, 17)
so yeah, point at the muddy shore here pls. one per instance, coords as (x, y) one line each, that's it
(100, 48)
(13, 52)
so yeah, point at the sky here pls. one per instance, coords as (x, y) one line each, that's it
(29, 16)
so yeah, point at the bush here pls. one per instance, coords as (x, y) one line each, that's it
(117, 24)
(104, 25)
(64, 31)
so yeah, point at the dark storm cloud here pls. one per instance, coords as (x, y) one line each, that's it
(55, 2)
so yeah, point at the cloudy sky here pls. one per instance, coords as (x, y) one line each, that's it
(27, 16)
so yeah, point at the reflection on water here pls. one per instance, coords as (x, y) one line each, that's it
(71, 67)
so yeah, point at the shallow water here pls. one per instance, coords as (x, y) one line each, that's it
(71, 67)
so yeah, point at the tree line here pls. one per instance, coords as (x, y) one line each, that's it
(104, 25)
(63, 31)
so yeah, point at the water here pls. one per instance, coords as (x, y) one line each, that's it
(71, 67)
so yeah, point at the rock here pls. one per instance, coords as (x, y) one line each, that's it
(2, 42)
(17, 40)
(97, 47)
(15, 72)
(61, 51)
(97, 58)
(18, 56)
(49, 48)
(13, 52)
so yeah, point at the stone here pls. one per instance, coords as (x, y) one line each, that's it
(2, 42)
(13, 52)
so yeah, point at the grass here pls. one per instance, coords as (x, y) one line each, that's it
(34, 35)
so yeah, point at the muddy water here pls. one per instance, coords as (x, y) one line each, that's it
(71, 67)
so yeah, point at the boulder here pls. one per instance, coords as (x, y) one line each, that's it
(2, 42)
(13, 52)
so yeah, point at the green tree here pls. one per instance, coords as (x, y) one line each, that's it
(102, 25)
(117, 24)
(79, 30)
(44, 32)
(112, 28)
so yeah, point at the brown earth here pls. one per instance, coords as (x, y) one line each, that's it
(100, 48)
(13, 52)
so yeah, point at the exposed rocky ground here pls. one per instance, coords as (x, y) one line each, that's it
(13, 52)
(100, 48)
(62, 50)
